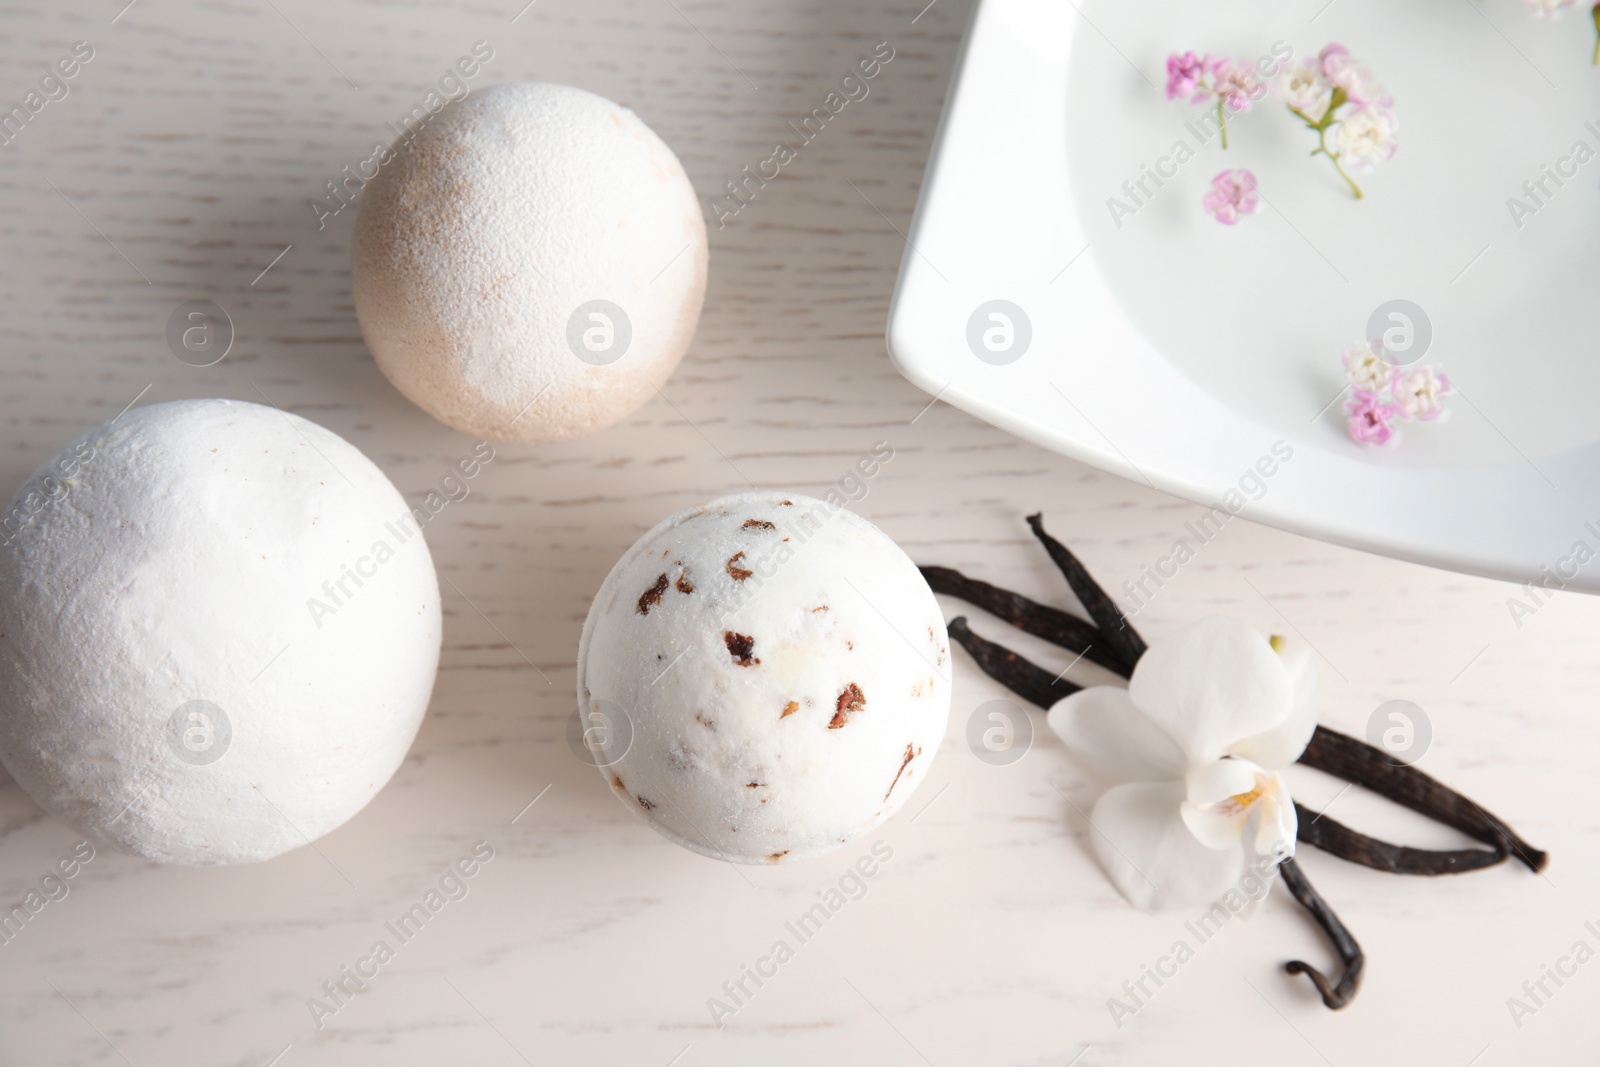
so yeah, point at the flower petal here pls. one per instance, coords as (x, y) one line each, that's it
(1106, 730)
(1216, 828)
(1212, 684)
(1207, 808)
(1210, 783)
(1282, 745)
(1279, 825)
(1150, 855)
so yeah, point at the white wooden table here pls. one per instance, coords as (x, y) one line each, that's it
(179, 166)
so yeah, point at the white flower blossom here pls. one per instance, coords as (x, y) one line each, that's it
(1307, 89)
(1365, 136)
(1192, 747)
(1419, 393)
(1366, 368)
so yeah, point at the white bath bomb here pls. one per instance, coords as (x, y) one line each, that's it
(531, 265)
(219, 627)
(776, 675)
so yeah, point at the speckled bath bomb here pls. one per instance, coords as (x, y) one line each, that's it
(781, 675)
(218, 632)
(531, 265)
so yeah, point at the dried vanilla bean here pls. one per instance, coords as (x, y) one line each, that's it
(1114, 627)
(1028, 680)
(1334, 995)
(1029, 616)
(1356, 761)
(1329, 750)
(1335, 837)
(1037, 685)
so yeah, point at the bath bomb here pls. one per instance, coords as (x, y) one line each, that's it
(530, 265)
(219, 627)
(776, 675)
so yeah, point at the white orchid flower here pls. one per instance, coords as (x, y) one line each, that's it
(1192, 747)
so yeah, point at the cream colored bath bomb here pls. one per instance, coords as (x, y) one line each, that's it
(531, 265)
(219, 627)
(775, 673)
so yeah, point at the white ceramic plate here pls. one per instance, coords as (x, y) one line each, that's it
(1180, 352)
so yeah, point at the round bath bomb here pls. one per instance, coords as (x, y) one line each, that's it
(219, 626)
(530, 265)
(775, 675)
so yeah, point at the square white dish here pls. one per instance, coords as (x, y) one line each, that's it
(1192, 356)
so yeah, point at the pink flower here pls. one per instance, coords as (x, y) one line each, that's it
(1232, 193)
(1183, 76)
(1369, 419)
(1234, 82)
(1419, 393)
(1354, 77)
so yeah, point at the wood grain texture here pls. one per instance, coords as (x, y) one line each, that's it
(180, 165)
